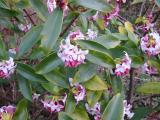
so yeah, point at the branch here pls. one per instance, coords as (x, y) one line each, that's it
(69, 25)
(30, 18)
(130, 91)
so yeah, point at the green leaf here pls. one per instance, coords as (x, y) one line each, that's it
(48, 64)
(2, 49)
(95, 4)
(40, 8)
(57, 78)
(80, 113)
(25, 88)
(29, 40)
(21, 111)
(85, 70)
(91, 45)
(117, 85)
(64, 116)
(99, 58)
(133, 37)
(136, 2)
(8, 13)
(114, 109)
(108, 41)
(52, 88)
(149, 88)
(95, 84)
(70, 104)
(158, 2)
(93, 97)
(27, 72)
(52, 29)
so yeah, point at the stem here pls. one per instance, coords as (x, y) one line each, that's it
(30, 18)
(130, 91)
(69, 25)
(142, 7)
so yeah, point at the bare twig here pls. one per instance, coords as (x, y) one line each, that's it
(69, 25)
(30, 18)
(142, 7)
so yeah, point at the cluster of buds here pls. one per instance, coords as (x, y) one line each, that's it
(150, 44)
(52, 4)
(111, 15)
(95, 111)
(127, 110)
(121, 1)
(71, 55)
(7, 112)
(7, 67)
(124, 66)
(149, 69)
(78, 35)
(13, 51)
(25, 27)
(78, 91)
(55, 104)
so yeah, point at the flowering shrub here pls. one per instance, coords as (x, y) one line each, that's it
(79, 59)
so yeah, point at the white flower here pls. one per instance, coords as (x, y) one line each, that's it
(78, 90)
(13, 50)
(51, 4)
(149, 69)
(35, 96)
(7, 112)
(7, 67)
(150, 44)
(71, 55)
(95, 111)
(25, 28)
(91, 35)
(124, 66)
(127, 110)
(76, 35)
(54, 106)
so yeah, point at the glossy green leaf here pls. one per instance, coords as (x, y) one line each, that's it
(8, 13)
(99, 58)
(91, 45)
(114, 109)
(52, 88)
(70, 104)
(48, 64)
(95, 4)
(57, 78)
(21, 111)
(64, 116)
(2, 49)
(95, 84)
(158, 2)
(149, 88)
(27, 72)
(87, 71)
(52, 29)
(40, 8)
(93, 97)
(25, 88)
(133, 37)
(108, 41)
(29, 40)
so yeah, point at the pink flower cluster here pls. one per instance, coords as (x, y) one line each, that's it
(127, 110)
(52, 4)
(149, 69)
(71, 55)
(76, 35)
(7, 67)
(53, 105)
(124, 66)
(78, 90)
(150, 44)
(25, 27)
(95, 111)
(111, 15)
(7, 112)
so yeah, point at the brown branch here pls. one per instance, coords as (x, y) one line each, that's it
(130, 91)
(30, 18)
(69, 25)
